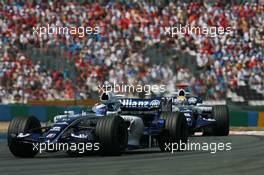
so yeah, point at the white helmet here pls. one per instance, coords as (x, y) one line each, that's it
(100, 109)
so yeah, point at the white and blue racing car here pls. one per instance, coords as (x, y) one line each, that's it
(114, 126)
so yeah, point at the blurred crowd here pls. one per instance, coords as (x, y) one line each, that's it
(116, 54)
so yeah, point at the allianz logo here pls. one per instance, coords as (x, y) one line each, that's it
(140, 103)
(185, 110)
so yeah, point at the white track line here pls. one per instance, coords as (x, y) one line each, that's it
(257, 133)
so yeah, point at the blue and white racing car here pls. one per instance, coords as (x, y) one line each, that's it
(113, 126)
(211, 120)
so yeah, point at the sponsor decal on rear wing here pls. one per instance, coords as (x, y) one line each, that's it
(143, 104)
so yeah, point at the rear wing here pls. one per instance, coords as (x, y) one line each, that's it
(132, 104)
(182, 87)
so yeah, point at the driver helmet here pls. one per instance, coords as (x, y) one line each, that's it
(181, 95)
(100, 109)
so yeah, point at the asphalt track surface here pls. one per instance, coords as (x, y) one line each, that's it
(245, 157)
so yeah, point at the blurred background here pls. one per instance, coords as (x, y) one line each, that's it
(131, 49)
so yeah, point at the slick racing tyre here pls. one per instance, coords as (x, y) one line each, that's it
(22, 125)
(175, 131)
(221, 115)
(112, 134)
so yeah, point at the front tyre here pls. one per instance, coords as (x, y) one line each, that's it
(112, 134)
(22, 125)
(175, 131)
(221, 115)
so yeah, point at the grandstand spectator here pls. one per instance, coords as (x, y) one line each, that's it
(116, 53)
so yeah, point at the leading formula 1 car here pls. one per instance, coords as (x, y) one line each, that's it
(113, 124)
(211, 120)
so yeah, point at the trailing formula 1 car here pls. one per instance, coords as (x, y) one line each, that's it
(113, 126)
(211, 120)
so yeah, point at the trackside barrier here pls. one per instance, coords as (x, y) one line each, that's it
(46, 113)
(238, 118)
(253, 119)
(261, 119)
(43, 113)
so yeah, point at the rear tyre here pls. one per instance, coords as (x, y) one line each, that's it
(221, 115)
(22, 125)
(175, 131)
(112, 134)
